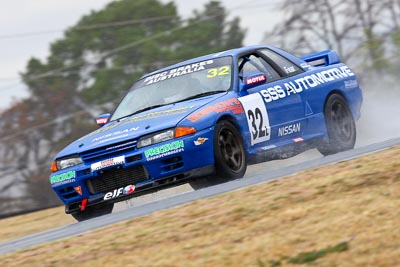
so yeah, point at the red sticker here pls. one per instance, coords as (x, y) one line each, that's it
(102, 120)
(232, 105)
(256, 79)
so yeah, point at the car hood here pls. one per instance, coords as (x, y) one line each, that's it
(136, 126)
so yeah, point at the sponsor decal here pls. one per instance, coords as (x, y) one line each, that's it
(289, 129)
(305, 66)
(305, 83)
(200, 141)
(78, 189)
(257, 118)
(265, 148)
(195, 67)
(289, 69)
(128, 189)
(158, 114)
(107, 163)
(297, 140)
(233, 105)
(114, 135)
(121, 145)
(146, 116)
(256, 79)
(120, 191)
(164, 150)
(63, 178)
(101, 120)
(350, 84)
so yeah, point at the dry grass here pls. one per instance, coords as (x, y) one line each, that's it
(355, 202)
(14, 227)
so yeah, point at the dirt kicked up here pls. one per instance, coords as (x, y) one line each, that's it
(346, 214)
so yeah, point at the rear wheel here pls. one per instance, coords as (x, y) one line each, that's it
(92, 212)
(229, 153)
(340, 126)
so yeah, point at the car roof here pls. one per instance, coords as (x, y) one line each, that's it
(231, 52)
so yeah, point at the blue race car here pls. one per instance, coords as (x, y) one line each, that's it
(211, 115)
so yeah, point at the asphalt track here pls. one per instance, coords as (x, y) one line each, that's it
(129, 213)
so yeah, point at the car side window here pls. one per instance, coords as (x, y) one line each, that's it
(286, 65)
(252, 64)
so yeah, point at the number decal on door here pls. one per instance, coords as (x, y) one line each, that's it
(257, 118)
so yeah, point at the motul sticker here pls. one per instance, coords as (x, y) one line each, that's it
(256, 79)
(101, 120)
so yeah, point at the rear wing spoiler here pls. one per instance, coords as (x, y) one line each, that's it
(323, 58)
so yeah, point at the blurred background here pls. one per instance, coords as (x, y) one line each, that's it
(64, 62)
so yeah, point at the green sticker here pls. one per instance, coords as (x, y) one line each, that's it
(62, 177)
(164, 150)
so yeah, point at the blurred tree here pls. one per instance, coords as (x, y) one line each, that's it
(357, 29)
(95, 62)
(208, 31)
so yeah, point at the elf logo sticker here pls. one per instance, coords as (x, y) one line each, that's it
(127, 190)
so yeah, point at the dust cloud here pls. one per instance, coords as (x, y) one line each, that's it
(380, 112)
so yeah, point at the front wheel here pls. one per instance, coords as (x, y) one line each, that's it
(340, 126)
(229, 152)
(92, 212)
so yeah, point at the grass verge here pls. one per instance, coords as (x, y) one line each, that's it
(31, 223)
(339, 215)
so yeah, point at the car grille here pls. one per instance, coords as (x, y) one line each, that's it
(104, 151)
(116, 178)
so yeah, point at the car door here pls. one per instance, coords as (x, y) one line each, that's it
(274, 116)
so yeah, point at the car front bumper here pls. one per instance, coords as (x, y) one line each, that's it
(145, 168)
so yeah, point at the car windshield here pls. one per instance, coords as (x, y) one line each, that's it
(174, 85)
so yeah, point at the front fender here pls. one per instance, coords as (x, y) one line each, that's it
(208, 116)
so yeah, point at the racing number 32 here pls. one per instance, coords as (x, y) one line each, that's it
(259, 130)
(257, 118)
(224, 70)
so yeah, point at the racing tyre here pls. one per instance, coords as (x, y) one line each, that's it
(92, 212)
(340, 126)
(229, 152)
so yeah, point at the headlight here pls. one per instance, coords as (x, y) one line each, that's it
(66, 163)
(155, 138)
(165, 135)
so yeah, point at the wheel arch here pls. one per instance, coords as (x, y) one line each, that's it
(347, 96)
(241, 128)
(334, 92)
(336, 141)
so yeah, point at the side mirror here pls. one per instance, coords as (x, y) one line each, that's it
(103, 119)
(253, 80)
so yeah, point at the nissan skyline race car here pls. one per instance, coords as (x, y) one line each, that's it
(209, 116)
